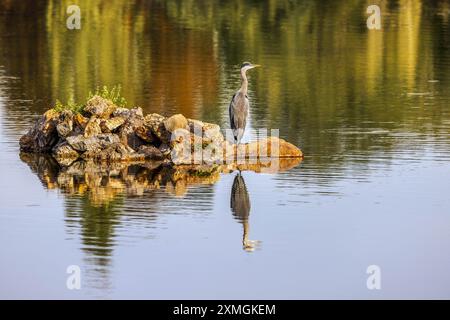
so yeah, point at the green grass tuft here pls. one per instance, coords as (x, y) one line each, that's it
(71, 105)
(111, 94)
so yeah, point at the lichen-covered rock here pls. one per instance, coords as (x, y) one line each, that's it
(109, 125)
(127, 132)
(119, 134)
(270, 147)
(99, 107)
(92, 144)
(129, 138)
(155, 122)
(121, 112)
(64, 154)
(27, 142)
(165, 149)
(146, 134)
(195, 126)
(177, 121)
(92, 128)
(209, 132)
(151, 152)
(199, 127)
(211, 128)
(114, 152)
(136, 112)
(106, 139)
(65, 123)
(80, 121)
(43, 135)
(81, 144)
(285, 149)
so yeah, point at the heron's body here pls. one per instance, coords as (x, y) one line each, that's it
(239, 105)
(239, 109)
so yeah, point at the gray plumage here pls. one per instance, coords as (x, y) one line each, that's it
(239, 200)
(239, 105)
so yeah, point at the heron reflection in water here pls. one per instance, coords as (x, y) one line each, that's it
(240, 207)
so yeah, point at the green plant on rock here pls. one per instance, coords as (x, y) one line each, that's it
(110, 94)
(71, 105)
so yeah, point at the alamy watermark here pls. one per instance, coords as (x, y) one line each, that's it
(374, 280)
(374, 20)
(74, 20)
(73, 281)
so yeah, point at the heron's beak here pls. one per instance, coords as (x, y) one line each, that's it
(256, 65)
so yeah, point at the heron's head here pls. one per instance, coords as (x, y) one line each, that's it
(247, 66)
(251, 245)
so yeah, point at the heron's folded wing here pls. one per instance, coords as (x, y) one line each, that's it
(231, 111)
(238, 111)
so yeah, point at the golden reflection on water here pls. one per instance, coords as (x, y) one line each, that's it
(176, 55)
(103, 182)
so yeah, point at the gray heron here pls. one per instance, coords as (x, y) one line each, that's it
(239, 105)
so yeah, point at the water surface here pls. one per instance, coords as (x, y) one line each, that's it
(370, 109)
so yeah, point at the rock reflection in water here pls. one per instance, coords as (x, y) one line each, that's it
(102, 182)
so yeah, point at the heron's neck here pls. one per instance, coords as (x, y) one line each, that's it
(244, 84)
(246, 231)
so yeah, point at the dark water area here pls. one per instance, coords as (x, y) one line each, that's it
(369, 108)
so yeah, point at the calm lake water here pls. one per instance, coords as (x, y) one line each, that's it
(370, 110)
